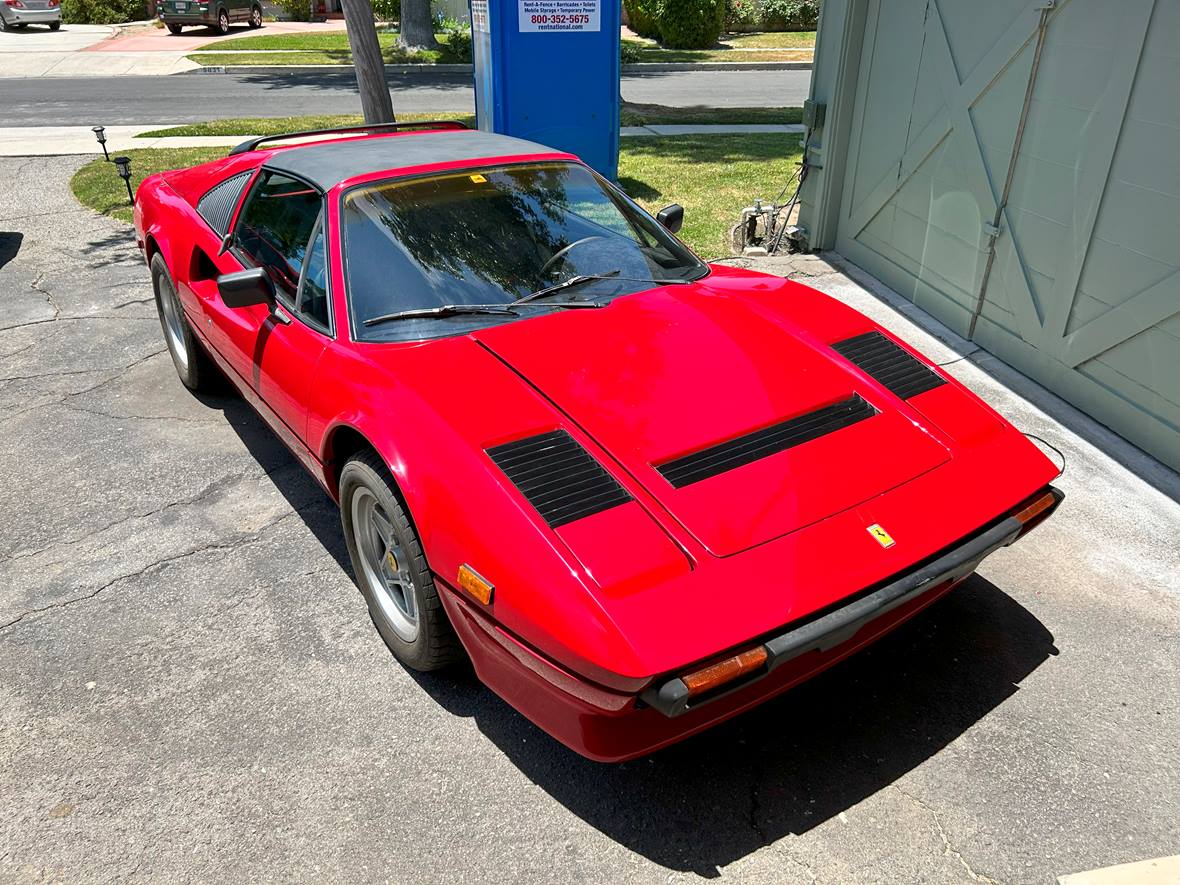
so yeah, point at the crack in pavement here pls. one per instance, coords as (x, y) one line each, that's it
(244, 539)
(947, 847)
(37, 287)
(208, 422)
(204, 494)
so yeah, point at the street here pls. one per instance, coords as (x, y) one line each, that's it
(193, 690)
(192, 97)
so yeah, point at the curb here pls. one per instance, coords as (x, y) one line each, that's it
(637, 68)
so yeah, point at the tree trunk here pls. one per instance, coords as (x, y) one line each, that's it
(366, 59)
(417, 25)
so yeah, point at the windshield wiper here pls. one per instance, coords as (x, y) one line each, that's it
(443, 311)
(583, 278)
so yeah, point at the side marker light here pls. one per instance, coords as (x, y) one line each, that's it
(475, 584)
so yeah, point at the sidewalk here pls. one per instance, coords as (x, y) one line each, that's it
(105, 51)
(50, 141)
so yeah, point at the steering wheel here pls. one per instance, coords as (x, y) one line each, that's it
(563, 251)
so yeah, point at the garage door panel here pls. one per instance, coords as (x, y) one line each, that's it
(1147, 363)
(1079, 292)
(894, 58)
(972, 29)
(1148, 155)
(1142, 220)
(1132, 392)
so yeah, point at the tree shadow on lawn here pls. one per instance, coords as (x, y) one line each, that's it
(782, 768)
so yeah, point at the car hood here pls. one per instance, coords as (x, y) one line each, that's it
(662, 375)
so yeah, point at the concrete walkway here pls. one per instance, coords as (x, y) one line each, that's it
(49, 141)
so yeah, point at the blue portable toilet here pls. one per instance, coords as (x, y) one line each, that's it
(548, 71)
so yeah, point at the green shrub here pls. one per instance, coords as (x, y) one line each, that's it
(771, 15)
(296, 10)
(630, 51)
(387, 10)
(456, 49)
(102, 12)
(691, 24)
(643, 16)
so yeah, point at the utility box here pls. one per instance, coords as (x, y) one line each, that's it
(548, 71)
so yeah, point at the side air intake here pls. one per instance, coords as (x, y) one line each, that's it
(762, 443)
(888, 364)
(558, 477)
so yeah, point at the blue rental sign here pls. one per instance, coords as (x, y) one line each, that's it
(548, 71)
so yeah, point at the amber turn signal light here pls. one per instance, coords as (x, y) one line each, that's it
(1035, 510)
(708, 678)
(475, 584)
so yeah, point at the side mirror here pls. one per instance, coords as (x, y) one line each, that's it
(246, 287)
(671, 217)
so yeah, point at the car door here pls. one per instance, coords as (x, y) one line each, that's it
(275, 351)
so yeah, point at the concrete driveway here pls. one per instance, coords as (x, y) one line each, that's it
(192, 690)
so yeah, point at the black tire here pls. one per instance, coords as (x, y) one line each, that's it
(196, 370)
(434, 644)
(3, 25)
(256, 16)
(222, 26)
(175, 30)
(55, 26)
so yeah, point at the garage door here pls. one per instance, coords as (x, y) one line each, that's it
(1083, 291)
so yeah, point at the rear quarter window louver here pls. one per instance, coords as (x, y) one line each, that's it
(888, 364)
(558, 477)
(218, 203)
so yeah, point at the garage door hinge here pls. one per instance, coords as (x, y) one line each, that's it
(992, 230)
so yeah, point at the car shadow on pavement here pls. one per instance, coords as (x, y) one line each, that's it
(782, 768)
(10, 242)
(798, 760)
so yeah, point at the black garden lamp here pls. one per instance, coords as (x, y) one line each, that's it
(100, 135)
(123, 164)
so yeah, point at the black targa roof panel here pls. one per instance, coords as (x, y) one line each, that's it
(328, 164)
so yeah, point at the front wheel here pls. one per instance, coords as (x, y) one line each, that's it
(256, 17)
(55, 26)
(391, 569)
(195, 369)
(175, 30)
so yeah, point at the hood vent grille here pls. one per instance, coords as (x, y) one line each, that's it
(765, 442)
(888, 364)
(558, 477)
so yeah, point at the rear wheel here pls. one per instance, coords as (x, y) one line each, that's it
(256, 16)
(174, 29)
(3, 23)
(391, 569)
(55, 26)
(194, 367)
(222, 22)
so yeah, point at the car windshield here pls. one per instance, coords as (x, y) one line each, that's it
(491, 237)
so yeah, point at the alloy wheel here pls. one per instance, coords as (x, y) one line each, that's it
(384, 564)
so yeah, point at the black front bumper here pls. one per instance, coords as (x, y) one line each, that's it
(671, 697)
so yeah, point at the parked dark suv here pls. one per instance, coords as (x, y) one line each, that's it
(217, 14)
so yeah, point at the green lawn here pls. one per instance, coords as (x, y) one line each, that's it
(631, 115)
(771, 40)
(332, 49)
(307, 49)
(712, 176)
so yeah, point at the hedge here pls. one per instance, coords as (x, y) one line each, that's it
(102, 12)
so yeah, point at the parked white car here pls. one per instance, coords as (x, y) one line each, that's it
(19, 13)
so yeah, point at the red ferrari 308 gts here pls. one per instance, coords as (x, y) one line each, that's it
(640, 492)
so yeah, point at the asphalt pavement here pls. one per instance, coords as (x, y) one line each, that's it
(191, 690)
(192, 97)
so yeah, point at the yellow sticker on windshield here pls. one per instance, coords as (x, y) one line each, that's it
(477, 178)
